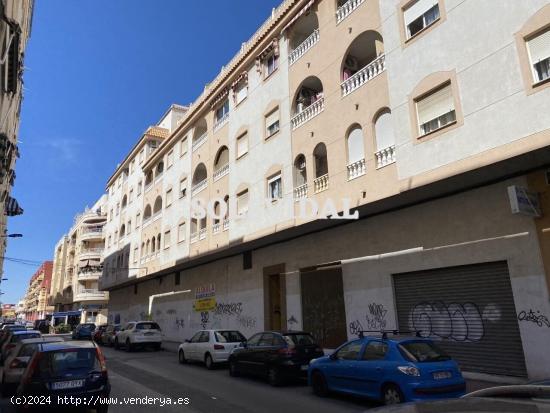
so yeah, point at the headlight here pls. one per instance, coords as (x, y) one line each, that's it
(409, 370)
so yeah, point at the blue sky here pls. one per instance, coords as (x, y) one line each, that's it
(97, 73)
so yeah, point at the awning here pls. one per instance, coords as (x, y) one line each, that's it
(88, 263)
(220, 96)
(66, 313)
(12, 207)
(300, 13)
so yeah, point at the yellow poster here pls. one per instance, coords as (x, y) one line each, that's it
(204, 304)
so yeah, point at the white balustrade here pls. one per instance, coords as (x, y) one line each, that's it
(197, 143)
(346, 9)
(194, 237)
(221, 172)
(320, 184)
(199, 187)
(356, 169)
(367, 73)
(202, 233)
(303, 47)
(308, 113)
(225, 224)
(385, 156)
(300, 191)
(216, 228)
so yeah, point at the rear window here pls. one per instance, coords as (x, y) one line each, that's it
(229, 337)
(56, 363)
(422, 351)
(299, 339)
(27, 350)
(87, 326)
(147, 326)
(17, 338)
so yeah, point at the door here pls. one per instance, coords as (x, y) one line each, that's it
(470, 312)
(202, 346)
(245, 357)
(275, 321)
(264, 353)
(340, 370)
(323, 308)
(369, 370)
(191, 348)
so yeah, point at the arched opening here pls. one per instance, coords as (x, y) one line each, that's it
(199, 178)
(300, 172)
(302, 29)
(221, 161)
(160, 168)
(124, 201)
(158, 205)
(148, 178)
(217, 207)
(321, 162)
(384, 138)
(122, 230)
(226, 200)
(158, 242)
(309, 92)
(356, 152)
(147, 213)
(200, 132)
(148, 247)
(153, 249)
(194, 226)
(364, 50)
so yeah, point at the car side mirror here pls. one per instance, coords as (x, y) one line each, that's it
(332, 356)
(243, 344)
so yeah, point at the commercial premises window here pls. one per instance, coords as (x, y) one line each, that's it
(169, 197)
(271, 64)
(170, 159)
(275, 187)
(167, 239)
(181, 232)
(242, 145)
(539, 56)
(242, 202)
(435, 110)
(419, 15)
(183, 146)
(272, 123)
(183, 188)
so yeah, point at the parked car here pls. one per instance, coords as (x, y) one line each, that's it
(67, 368)
(108, 336)
(42, 325)
(96, 336)
(15, 337)
(17, 360)
(210, 346)
(139, 333)
(275, 355)
(395, 370)
(84, 330)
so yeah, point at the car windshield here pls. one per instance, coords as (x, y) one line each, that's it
(229, 337)
(422, 351)
(147, 326)
(87, 326)
(299, 339)
(27, 350)
(19, 337)
(57, 363)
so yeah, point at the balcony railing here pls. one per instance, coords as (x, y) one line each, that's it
(225, 224)
(91, 294)
(320, 184)
(194, 237)
(202, 233)
(356, 169)
(195, 189)
(148, 186)
(300, 191)
(367, 73)
(221, 172)
(308, 113)
(220, 122)
(216, 228)
(385, 156)
(91, 251)
(303, 47)
(197, 143)
(346, 9)
(89, 275)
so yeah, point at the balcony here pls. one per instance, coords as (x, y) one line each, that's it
(202, 234)
(91, 295)
(194, 237)
(89, 275)
(197, 143)
(91, 233)
(346, 9)
(148, 186)
(195, 189)
(216, 228)
(356, 169)
(367, 73)
(90, 253)
(221, 172)
(225, 224)
(385, 156)
(300, 192)
(303, 47)
(220, 122)
(320, 184)
(308, 113)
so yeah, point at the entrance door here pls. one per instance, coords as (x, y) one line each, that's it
(323, 308)
(275, 297)
(275, 315)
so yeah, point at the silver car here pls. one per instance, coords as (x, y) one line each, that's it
(15, 337)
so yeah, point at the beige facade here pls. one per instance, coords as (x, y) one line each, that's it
(36, 304)
(15, 27)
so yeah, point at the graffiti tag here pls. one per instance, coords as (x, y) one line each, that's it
(246, 321)
(228, 309)
(534, 317)
(204, 318)
(355, 327)
(180, 323)
(376, 317)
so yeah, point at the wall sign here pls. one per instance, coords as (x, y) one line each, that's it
(523, 201)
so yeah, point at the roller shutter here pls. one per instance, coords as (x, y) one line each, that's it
(469, 310)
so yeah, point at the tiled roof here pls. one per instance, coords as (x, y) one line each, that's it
(157, 131)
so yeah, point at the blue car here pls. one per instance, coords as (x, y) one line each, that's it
(391, 370)
(83, 331)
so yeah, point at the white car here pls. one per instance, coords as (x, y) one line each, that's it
(139, 333)
(210, 346)
(17, 359)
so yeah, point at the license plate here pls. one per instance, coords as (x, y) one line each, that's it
(442, 375)
(71, 384)
(304, 367)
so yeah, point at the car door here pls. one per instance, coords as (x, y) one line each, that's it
(202, 345)
(244, 356)
(340, 369)
(264, 354)
(191, 348)
(368, 371)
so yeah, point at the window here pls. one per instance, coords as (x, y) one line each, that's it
(117, 208)
(272, 123)
(242, 145)
(136, 253)
(350, 351)
(139, 185)
(132, 165)
(138, 216)
(170, 159)
(177, 278)
(131, 195)
(435, 110)
(10, 67)
(111, 215)
(241, 92)
(167, 239)
(183, 187)
(539, 56)
(181, 232)
(169, 197)
(275, 188)
(375, 350)
(242, 202)
(271, 64)
(222, 111)
(183, 146)
(419, 15)
(141, 156)
(129, 226)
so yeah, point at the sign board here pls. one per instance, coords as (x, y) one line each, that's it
(205, 291)
(523, 201)
(204, 304)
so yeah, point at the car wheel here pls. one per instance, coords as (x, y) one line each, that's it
(319, 384)
(209, 362)
(181, 357)
(233, 369)
(274, 376)
(116, 344)
(128, 345)
(391, 394)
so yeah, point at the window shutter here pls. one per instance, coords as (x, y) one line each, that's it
(241, 93)
(242, 202)
(272, 118)
(417, 9)
(539, 47)
(242, 145)
(181, 232)
(435, 105)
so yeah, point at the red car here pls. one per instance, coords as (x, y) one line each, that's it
(96, 336)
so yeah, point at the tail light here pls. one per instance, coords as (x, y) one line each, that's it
(287, 351)
(218, 347)
(30, 370)
(101, 360)
(17, 364)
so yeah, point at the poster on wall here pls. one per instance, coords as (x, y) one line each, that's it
(205, 298)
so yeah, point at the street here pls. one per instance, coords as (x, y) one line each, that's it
(158, 374)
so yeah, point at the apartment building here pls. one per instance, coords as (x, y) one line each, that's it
(36, 300)
(15, 28)
(77, 267)
(386, 109)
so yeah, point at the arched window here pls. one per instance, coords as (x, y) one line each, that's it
(158, 205)
(356, 152)
(222, 159)
(147, 213)
(215, 219)
(304, 33)
(309, 92)
(148, 247)
(122, 230)
(385, 139)
(363, 51)
(160, 168)
(199, 179)
(199, 134)
(158, 242)
(124, 201)
(194, 226)
(148, 178)
(321, 162)
(226, 200)
(300, 172)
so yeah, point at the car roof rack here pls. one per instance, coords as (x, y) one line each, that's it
(385, 333)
